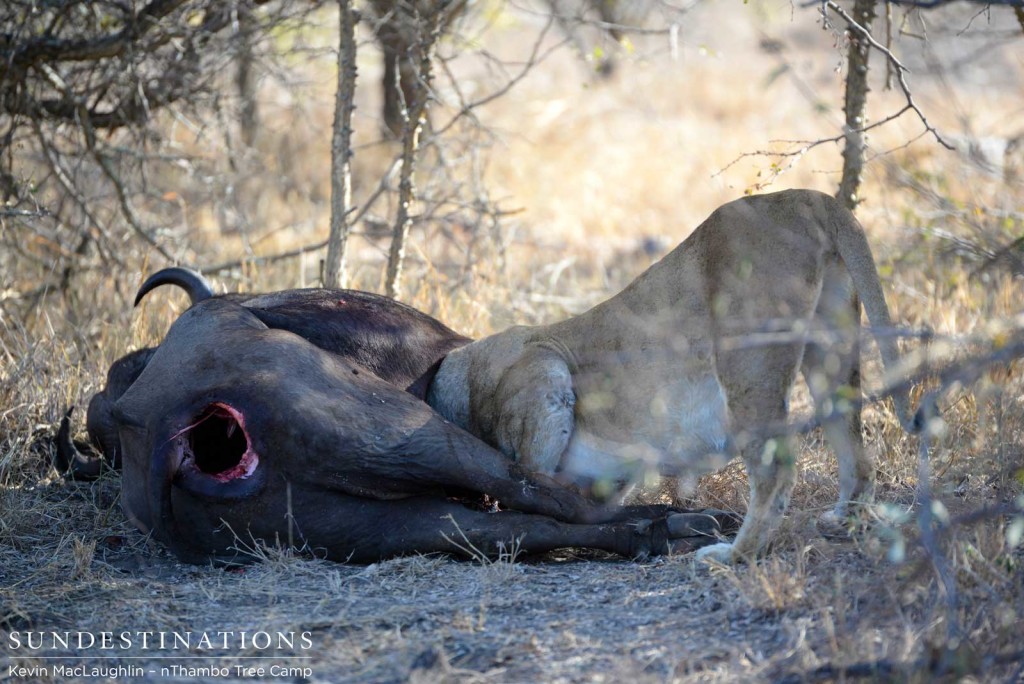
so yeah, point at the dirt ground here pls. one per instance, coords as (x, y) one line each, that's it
(813, 609)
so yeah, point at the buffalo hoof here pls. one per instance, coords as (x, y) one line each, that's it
(693, 525)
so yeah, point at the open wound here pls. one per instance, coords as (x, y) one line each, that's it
(217, 444)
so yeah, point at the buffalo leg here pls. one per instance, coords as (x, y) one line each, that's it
(430, 525)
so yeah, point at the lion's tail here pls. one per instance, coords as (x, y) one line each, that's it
(856, 254)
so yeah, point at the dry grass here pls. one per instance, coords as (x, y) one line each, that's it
(596, 168)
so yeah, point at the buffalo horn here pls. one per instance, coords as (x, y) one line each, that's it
(191, 281)
(68, 459)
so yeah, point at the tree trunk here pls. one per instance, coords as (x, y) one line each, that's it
(854, 105)
(341, 148)
(413, 125)
(248, 115)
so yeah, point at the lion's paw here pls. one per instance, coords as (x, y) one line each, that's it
(719, 553)
(839, 524)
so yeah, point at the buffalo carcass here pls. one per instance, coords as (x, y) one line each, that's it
(297, 417)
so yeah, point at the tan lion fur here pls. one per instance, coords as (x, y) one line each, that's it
(669, 373)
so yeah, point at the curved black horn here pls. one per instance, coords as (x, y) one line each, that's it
(69, 459)
(191, 281)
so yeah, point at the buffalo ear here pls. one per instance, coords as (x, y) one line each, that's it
(68, 460)
(102, 419)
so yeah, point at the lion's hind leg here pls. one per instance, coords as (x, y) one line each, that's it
(841, 423)
(832, 372)
(770, 461)
(771, 468)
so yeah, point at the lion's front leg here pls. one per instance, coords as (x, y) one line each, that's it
(535, 401)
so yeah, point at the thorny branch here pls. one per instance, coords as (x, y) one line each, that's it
(414, 119)
(341, 147)
(901, 70)
(854, 105)
(804, 146)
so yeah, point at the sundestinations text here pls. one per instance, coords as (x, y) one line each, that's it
(145, 640)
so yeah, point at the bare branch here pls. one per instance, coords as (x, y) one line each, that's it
(136, 104)
(126, 206)
(13, 54)
(68, 185)
(535, 58)
(855, 125)
(927, 520)
(795, 154)
(360, 213)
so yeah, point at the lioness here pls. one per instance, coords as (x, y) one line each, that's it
(665, 375)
